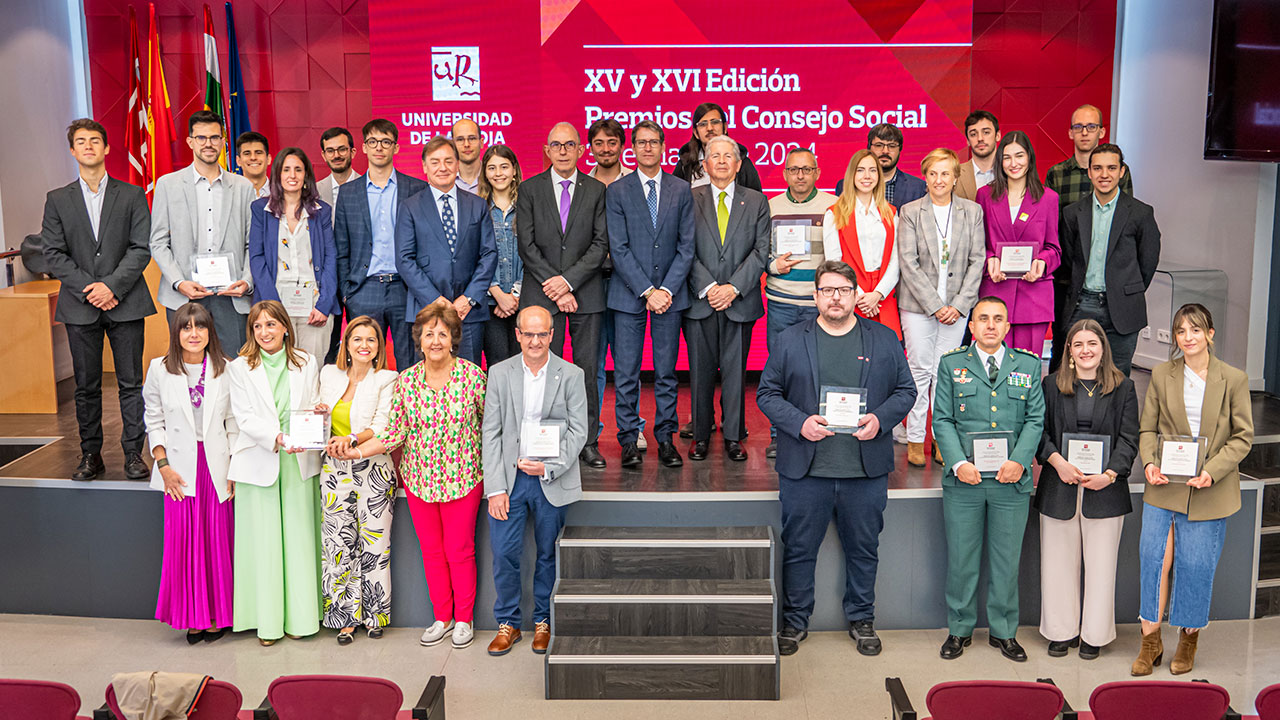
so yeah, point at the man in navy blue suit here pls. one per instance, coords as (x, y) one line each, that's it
(836, 463)
(364, 231)
(445, 247)
(649, 214)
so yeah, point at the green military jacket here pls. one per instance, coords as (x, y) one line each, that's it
(967, 401)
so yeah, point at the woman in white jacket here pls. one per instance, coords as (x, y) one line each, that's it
(277, 558)
(190, 428)
(357, 494)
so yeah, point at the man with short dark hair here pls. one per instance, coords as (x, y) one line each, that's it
(253, 155)
(1110, 250)
(95, 234)
(470, 143)
(885, 142)
(337, 147)
(364, 231)
(828, 470)
(982, 132)
(446, 249)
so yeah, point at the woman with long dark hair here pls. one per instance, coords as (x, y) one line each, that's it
(292, 254)
(500, 186)
(709, 120)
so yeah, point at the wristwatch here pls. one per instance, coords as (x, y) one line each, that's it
(355, 439)
(162, 462)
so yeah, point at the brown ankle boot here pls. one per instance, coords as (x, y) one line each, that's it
(1150, 656)
(1184, 658)
(915, 454)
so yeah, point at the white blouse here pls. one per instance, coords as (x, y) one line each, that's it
(871, 238)
(1193, 398)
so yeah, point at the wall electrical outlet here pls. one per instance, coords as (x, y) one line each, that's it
(1146, 333)
(1163, 336)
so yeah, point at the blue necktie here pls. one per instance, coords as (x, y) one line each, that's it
(450, 229)
(653, 203)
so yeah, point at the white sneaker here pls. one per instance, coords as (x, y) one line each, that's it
(436, 634)
(462, 635)
(900, 434)
(640, 442)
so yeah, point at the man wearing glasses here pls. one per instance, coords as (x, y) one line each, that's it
(788, 288)
(466, 135)
(200, 215)
(835, 450)
(563, 244)
(338, 148)
(364, 230)
(900, 188)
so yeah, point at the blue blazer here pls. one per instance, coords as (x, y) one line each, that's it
(426, 266)
(642, 256)
(788, 394)
(353, 228)
(264, 255)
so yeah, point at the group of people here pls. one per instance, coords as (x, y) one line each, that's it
(477, 262)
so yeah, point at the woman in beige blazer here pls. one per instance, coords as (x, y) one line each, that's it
(1184, 519)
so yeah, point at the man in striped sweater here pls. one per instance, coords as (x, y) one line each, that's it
(788, 286)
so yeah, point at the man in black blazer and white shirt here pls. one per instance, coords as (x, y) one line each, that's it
(96, 234)
(563, 243)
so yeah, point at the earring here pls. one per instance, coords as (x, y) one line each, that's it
(1071, 363)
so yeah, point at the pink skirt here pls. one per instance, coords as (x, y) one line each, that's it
(195, 576)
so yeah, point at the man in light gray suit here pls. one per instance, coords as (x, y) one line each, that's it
(731, 251)
(535, 425)
(204, 210)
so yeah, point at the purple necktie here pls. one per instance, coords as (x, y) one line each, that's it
(564, 204)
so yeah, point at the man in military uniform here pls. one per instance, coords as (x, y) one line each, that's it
(993, 390)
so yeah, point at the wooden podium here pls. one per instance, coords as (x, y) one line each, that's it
(26, 347)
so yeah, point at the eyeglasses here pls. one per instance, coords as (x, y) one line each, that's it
(535, 335)
(375, 143)
(885, 146)
(714, 122)
(1090, 128)
(330, 152)
(467, 139)
(647, 143)
(830, 292)
(801, 170)
(557, 146)
(207, 139)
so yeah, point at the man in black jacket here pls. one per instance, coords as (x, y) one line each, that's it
(96, 234)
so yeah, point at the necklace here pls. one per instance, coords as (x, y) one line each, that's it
(1087, 388)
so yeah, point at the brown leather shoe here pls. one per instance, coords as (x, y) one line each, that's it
(915, 454)
(506, 637)
(1184, 658)
(1150, 655)
(541, 637)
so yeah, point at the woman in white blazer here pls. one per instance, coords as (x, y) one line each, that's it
(190, 428)
(357, 493)
(277, 556)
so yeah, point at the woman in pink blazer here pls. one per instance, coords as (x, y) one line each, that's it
(1021, 217)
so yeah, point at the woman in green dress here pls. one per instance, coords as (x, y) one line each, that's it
(277, 549)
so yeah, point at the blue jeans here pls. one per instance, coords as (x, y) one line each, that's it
(606, 339)
(384, 302)
(808, 505)
(779, 317)
(1197, 545)
(507, 539)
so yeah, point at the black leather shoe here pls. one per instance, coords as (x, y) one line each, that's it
(686, 430)
(669, 456)
(135, 468)
(195, 637)
(591, 457)
(772, 450)
(789, 640)
(90, 467)
(954, 646)
(698, 451)
(1089, 652)
(1059, 648)
(864, 634)
(631, 456)
(212, 635)
(734, 450)
(1010, 649)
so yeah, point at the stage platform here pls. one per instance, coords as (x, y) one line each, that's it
(94, 549)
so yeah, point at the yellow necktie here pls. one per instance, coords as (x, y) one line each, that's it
(722, 216)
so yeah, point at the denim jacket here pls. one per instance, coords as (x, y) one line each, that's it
(510, 267)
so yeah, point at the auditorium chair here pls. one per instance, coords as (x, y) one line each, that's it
(1267, 704)
(218, 701)
(995, 699)
(1158, 700)
(345, 697)
(38, 700)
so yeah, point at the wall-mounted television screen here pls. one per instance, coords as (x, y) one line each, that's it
(1243, 117)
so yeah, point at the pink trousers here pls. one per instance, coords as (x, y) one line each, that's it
(447, 536)
(1027, 336)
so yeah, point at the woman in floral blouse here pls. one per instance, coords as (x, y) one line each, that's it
(436, 414)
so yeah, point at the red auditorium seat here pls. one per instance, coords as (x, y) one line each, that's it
(219, 701)
(1267, 704)
(335, 697)
(1158, 700)
(38, 700)
(1007, 700)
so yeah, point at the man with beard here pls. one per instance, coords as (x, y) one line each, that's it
(338, 148)
(982, 132)
(885, 142)
(466, 135)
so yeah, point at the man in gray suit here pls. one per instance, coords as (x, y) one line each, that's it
(198, 212)
(535, 424)
(731, 250)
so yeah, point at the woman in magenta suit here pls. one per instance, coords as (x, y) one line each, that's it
(1020, 212)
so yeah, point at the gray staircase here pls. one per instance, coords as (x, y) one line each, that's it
(664, 613)
(1263, 463)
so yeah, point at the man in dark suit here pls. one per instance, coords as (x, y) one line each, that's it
(822, 473)
(96, 243)
(731, 251)
(1110, 249)
(364, 230)
(563, 243)
(650, 222)
(446, 249)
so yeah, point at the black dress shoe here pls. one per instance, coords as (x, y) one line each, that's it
(631, 456)
(864, 634)
(1059, 648)
(591, 457)
(789, 640)
(135, 468)
(211, 635)
(772, 450)
(669, 456)
(1089, 652)
(954, 646)
(195, 637)
(1010, 649)
(90, 467)
(698, 451)
(686, 430)
(734, 450)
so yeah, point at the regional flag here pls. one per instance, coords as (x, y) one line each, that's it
(238, 121)
(160, 132)
(135, 125)
(213, 81)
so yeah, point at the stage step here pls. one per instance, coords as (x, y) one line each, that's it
(678, 668)
(731, 553)
(663, 607)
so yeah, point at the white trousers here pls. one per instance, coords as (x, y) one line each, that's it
(1063, 545)
(926, 340)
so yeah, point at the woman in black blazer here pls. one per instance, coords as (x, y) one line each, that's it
(1082, 514)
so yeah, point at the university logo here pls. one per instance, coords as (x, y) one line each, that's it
(455, 73)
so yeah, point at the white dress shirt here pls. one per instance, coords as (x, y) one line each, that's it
(333, 186)
(534, 391)
(557, 188)
(982, 179)
(264, 191)
(715, 207)
(453, 202)
(93, 202)
(208, 210)
(871, 238)
(1193, 398)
